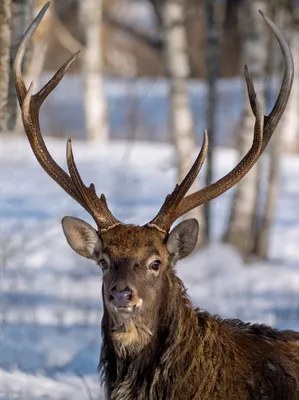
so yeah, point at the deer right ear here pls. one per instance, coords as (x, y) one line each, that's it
(82, 237)
(183, 238)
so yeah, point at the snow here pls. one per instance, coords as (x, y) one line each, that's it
(50, 298)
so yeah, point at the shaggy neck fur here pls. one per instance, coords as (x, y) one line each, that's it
(180, 347)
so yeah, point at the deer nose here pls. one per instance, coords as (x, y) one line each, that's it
(120, 298)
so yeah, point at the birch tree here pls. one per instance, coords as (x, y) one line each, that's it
(5, 41)
(95, 105)
(244, 206)
(172, 14)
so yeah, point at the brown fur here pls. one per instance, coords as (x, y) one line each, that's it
(176, 352)
(135, 336)
(204, 357)
(156, 345)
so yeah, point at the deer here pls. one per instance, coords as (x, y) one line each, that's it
(155, 343)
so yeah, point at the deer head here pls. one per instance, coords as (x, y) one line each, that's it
(137, 261)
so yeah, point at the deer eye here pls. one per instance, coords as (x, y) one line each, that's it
(155, 265)
(103, 264)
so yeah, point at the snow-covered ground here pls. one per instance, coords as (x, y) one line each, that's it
(50, 298)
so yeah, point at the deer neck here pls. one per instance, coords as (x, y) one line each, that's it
(172, 343)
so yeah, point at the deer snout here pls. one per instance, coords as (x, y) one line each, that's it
(121, 298)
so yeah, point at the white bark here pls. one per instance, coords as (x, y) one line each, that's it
(243, 212)
(177, 65)
(5, 40)
(94, 98)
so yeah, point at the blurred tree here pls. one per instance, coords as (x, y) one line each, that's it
(95, 106)
(132, 38)
(243, 214)
(231, 60)
(171, 14)
(213, 30)
(231, 11)
(153, 41)
(5, 41)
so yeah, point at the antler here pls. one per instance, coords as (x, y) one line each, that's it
(30, 105)
(175, 205)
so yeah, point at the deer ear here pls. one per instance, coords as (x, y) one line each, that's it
(82, 237)
(183, 238)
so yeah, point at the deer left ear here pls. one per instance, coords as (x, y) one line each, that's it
(183, 238)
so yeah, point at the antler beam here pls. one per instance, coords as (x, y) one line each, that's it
(264, 128)
(30, 105)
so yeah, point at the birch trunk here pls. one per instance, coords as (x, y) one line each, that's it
(177, 65)
(5, 41)
(244, 207)
(95, 105)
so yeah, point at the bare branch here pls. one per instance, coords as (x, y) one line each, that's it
(155, 43)
(64, 37)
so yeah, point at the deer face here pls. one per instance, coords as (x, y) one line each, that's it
(136, 263)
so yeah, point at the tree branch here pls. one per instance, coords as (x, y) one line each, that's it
(154, 43)
(65, 38)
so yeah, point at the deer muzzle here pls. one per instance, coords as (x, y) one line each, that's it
(124, 300)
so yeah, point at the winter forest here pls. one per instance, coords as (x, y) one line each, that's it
(150, 77)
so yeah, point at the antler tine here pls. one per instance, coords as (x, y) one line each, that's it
(17, 65)
(30, 106)
(272, 120)
(264, 128)
(250, 90)
(32, 129)
(233, 177)
(164, 216)
(44, 92)
(97, 206)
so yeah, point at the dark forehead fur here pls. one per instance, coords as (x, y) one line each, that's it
(132, 240)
